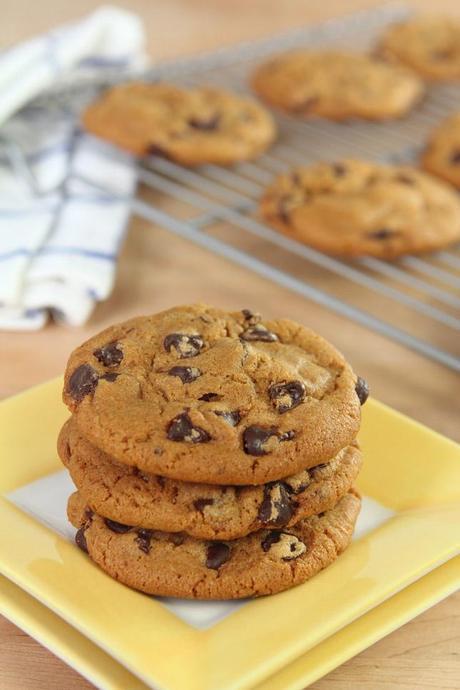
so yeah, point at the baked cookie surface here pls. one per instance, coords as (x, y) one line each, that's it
(429, 45)
(126, 495)
(176, 565)
(190, 126)
(355, 208)
(202, 395)
(337, 85)
(442, 154)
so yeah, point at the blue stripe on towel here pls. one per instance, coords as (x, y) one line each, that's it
(75, 251)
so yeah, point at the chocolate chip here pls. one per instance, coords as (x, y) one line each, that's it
(80, 540)
(185, 345)
(181, 429)
(117, 527)
(251, 317)
(283, 211)
(306, 105)
(321, 466)
(286, 395)
(362, 389)
(297, 483)
(144, 539)
(201, 503)
(271, 538)
(216, 555)
(339, 169)
(207, 397)
(287, 436)
(232, 418)
(155, 150)
(255, 439)
(454, 157)
(177, 538)
(258, 332)
(111, 376)
(161, 481)
(405, 179)
(82, 382)
(382, 234)
(186, 374)
(445, 54)
(205, 125)
(283, 545)
(109, 355)
(276, 508)
(158, 451)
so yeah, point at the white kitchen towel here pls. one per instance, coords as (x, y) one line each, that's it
(59, 234)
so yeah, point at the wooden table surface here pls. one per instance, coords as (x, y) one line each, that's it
(157, 270)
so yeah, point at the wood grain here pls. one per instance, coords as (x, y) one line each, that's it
(157, 270)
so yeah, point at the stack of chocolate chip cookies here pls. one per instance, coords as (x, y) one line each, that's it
(214, 453)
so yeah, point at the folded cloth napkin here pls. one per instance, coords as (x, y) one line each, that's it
(59, 234)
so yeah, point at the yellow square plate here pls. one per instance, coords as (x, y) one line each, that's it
(102, 670)
(408, 468)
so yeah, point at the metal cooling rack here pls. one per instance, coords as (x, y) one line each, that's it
(414, 301)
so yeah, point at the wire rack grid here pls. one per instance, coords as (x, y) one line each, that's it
(415, 300)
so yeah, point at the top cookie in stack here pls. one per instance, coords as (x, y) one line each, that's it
(195, 426)
(197, 394)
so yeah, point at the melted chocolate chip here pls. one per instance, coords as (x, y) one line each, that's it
(286, 395)
(339, 169)
(117, 527)
(255, 439)
(181, 429)
(185, 345)
(258, 333)
(207, 397)
(155, 150)
(80, 540)
(186, 374)
(232, 418)
(271, 538)
(362, 389)
(382, 234)
(205, 125)
(287, 436)
(454, 157)
(109, 355)
(201, 503)
(111, 376)
(216, 555)
(82, 382)
(277, 507)
(144, 539)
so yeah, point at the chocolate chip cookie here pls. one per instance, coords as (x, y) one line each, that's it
(125, 494)
(442, 154)
(337, 85)
(429, 45)
(202, 395)
(169, 564)
(190, 126)
(355, 208)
